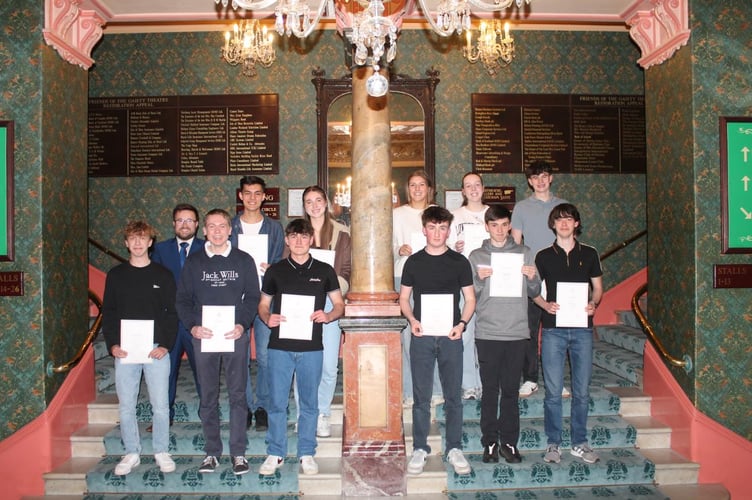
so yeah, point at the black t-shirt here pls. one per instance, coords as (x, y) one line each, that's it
(437, 274)
(555, 265)
(314, 278)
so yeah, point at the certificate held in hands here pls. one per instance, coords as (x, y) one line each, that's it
(137, 339)
(220, 320)
(572, 299)
(437, 314)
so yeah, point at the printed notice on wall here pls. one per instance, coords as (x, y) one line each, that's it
(573, 133)
(183, 135)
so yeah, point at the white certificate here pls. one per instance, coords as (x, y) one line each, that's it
(506, 280)
(437, 313)
(417, 241)
(572, 299)
(257, 245)
(323, 255)
(220, 320)
(137, 339)
(473, 236)
(297, 310)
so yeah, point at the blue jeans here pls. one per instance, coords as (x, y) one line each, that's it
(183, 344)
(332, 335)
(425, 353)
(127, 384)
(258, 396)
(555, 344)
(306, 366)
(470, 367)
(209, 366)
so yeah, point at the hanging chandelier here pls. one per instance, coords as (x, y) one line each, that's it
(248, 44)
(374, 35)
(495, 47)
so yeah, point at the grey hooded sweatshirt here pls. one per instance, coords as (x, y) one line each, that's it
(502, 318)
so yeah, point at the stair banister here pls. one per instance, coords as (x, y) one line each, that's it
(608, 253)
(90, 336)
(685, 362)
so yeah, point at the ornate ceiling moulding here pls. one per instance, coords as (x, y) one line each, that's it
(71, 31)
(659, 28)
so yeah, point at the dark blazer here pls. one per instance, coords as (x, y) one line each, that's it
(166, 253)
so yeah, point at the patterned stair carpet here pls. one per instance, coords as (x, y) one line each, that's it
(621, 473)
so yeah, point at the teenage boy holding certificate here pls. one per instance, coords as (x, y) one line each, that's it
(293, 301)
(139, 324)
(216, 300)
(435, 277)
(569, 270)
(505, 277)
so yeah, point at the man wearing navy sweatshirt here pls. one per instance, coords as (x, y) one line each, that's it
(220, 275)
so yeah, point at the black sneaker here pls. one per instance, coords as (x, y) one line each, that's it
(510, 453)
(239, 465)
(491, 453)
(262, 420)
(209, 464)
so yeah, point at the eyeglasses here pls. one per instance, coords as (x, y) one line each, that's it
(185, 221)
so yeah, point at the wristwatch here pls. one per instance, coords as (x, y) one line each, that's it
(464, 324)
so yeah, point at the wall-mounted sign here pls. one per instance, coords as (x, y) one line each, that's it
(577, 134)
(11, 284)
(183, 135)
(736, 184)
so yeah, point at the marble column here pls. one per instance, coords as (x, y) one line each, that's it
(373, 449)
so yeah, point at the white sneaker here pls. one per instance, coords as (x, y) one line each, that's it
(309, 465)
(458, 461)
(165, 462)
(417, 461)
(565, 393)
(323, 427)
(408, 401)
(127, 464)
(472, 393)
(528, 388)
(270, 465)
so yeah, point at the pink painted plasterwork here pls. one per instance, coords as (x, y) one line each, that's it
(659, 28)
(71, 31)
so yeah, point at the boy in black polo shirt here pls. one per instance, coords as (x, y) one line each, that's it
(297, 287)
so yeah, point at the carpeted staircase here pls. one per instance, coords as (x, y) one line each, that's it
(634, 448)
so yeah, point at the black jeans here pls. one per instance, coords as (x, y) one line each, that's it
(500, 368)
(530, 366)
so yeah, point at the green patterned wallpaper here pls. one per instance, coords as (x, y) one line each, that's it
(46, 97)
(546, 62)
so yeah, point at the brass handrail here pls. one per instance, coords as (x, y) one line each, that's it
(91, 335)
(107, 251)
(608, 253)
(685, 362)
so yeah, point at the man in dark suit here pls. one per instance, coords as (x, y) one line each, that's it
(172, 254)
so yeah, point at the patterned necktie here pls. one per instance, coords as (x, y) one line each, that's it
(183, 253)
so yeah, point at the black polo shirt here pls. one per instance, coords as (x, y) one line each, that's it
(556, 265)
(311, 278)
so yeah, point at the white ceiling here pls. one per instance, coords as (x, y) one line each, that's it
(187, 15)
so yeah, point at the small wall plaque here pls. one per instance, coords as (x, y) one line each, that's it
(11, 284)
(732, 276)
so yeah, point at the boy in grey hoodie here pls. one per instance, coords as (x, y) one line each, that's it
(501, 332)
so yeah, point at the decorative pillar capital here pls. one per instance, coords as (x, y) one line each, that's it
(659, 28)
(71, 31)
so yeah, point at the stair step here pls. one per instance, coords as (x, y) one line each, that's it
(628, 337)
(433, 479)
(672, 467)
(616, 466)
(696, 492)
(632, 491)
(104, 409)
(634, 402)
(624, 363)
(88, 441)
(651, 432)
(328, 480)
(627, 317)
(70, 477)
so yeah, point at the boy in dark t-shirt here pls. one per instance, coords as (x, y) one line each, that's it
(435, 276)
(292, 304)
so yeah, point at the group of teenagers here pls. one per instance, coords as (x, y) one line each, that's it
(491, 346)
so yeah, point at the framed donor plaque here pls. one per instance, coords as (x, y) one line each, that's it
(736, 188)
(6, 190)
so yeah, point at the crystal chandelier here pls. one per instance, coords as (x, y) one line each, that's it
(495, 47)
(248, 44)
(374, 35)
